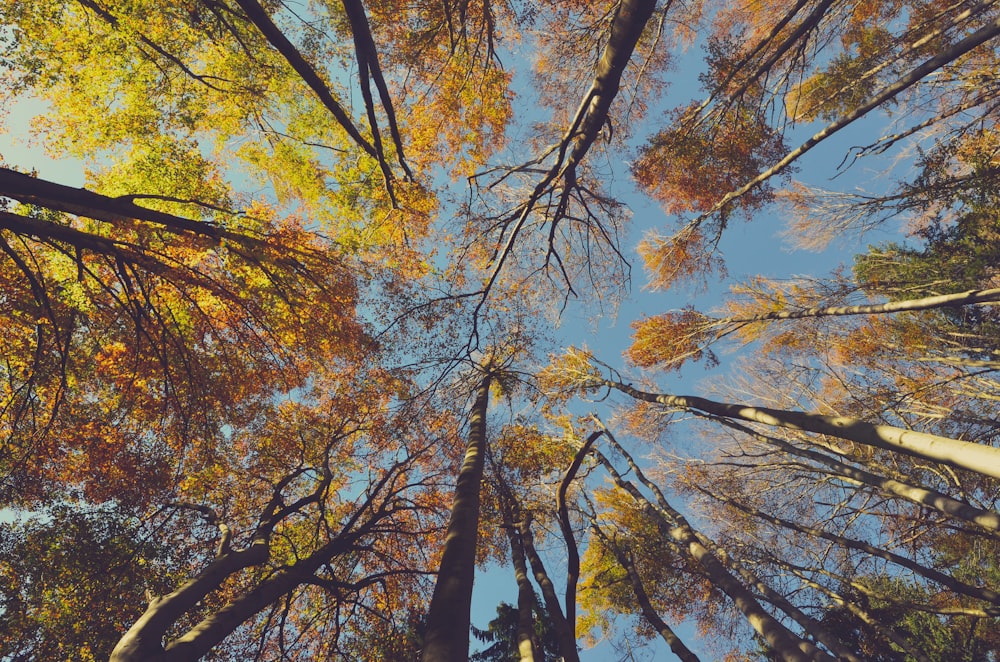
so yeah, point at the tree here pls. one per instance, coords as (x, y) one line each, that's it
(502, 635)
(70, 563)
(453, 590)
(249, 361)
(847, 496)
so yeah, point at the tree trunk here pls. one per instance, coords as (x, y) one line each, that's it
(978, 458)
(448, 619)
(648, 611)
(572, 552)
(942, 503)
(956, 300)
(526, 645)
(780, 639)
(564, 635)
(257, 15)
(143, 641)
(869, 619)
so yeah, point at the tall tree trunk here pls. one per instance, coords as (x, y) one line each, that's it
(526, 645)
(780, 639)
(564, 634)
(448, 620)
(978, 458)
(144, 640)
(627, 25)
(648, 611)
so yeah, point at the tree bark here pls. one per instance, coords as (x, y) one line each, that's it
(627, 25)
(143, 641)
(526, 644)
(81, 202)
(984, 460)
(257, 16)
(626, 28)
(954, 300)
(779, 638)
(942, 503)
(572, 552)
(448, 619)
(564, 634)
(648, 611)
(864, 616)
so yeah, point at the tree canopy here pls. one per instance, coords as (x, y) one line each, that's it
(293, 345)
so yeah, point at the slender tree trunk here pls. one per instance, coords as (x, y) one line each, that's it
(572, 552)
(956, 300)
(526, 645)
(985, 594)
(627, 25)
(629, 21)
(978, 458)
(987, 519)
(809, 625)
(648, 611)
(564, 635)
(448, 619)
(780, 639)
(258, 16)
(144, 641)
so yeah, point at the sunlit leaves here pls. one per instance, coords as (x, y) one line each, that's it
(826, 95)
(464, 119)
(688, 165)
(176, 330)
(605, 590)
(570, 373)
(668, 340)
(201, 78)
(686, 258)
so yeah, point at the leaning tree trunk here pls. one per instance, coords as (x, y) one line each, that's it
(782, 641)
(649, 612)
(978, 458)
(448, 620)
(955, 300)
